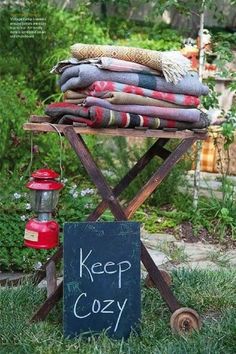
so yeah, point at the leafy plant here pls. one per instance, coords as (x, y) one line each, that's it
(17, 102)
(219, 258)
(211, 100)
(35, 56)
(176, 253)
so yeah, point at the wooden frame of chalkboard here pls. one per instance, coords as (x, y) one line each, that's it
(101, 278)
(182, 318)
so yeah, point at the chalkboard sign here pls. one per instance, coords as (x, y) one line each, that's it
(101, 278)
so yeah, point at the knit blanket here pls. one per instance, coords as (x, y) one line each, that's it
(121, 98)
(81, 76)
(111, 64)
(187, 115)
(102, 88)
(98, 117)
(173, 65)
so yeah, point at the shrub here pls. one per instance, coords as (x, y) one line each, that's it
(17, 102)
(35, 56)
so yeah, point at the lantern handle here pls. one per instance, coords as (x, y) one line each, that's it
(60, 156)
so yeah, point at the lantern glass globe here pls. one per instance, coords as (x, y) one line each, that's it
(44, 201)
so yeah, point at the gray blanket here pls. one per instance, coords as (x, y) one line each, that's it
(80, 76)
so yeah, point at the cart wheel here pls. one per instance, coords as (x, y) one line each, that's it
(185, 320)
(166, 276)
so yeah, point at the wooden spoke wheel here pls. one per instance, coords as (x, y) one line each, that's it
(166, 276)
(185, 320)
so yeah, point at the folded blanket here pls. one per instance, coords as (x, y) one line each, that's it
(81, 76)
(129, 99)
(101, 88)
(74, 100)
(187, 115)
(111, 64)
(173, 64)
(98, 117)
(70, 94)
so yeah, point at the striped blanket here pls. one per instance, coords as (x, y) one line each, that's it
(98, 117)
(187, 115)
(103, 88)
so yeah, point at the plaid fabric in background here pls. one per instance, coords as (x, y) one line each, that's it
(208, 155)
(214, 156)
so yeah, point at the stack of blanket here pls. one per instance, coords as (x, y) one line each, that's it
(102, 91)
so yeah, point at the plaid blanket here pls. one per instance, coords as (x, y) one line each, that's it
(81, 76)
(187, 115)
(98, 117)
(104, 89)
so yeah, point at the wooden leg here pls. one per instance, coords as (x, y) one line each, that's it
(46, 307)
(41, 273)
(132, 174)
(94, 172)
(158, 280)
(51, 278)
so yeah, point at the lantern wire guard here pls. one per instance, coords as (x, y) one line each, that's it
(61, 148)
(60, 152)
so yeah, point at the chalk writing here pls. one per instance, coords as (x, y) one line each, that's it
(119, 268)
(98, 306)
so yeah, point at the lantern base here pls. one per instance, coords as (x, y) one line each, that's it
(41, 234)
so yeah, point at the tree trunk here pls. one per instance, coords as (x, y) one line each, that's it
(199, 143)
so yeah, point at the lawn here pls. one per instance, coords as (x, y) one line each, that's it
(212, 294)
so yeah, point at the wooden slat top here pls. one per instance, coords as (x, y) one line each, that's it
(137, 132)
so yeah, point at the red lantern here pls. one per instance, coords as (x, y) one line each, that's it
(43, 232)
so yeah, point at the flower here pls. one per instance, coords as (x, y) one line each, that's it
(73, 189)
(87, 206)
(37, 265)
(16, 195)
(86, 191)
(23, 217)
(27, 206)
(108, 173)
(75, 194)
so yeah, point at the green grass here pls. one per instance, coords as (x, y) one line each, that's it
(212, 294)
(176, 253)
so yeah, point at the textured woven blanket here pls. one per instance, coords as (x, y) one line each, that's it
(187, 115)
(101, 88)
(173, 65)
(111, 64)
(81, 76)
(98, 117)
(129, 99)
